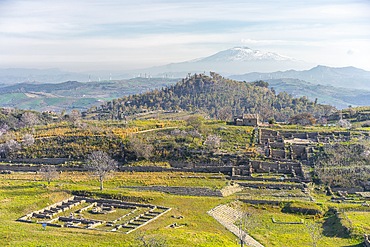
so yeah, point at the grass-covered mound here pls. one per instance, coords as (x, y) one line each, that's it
(303, 208)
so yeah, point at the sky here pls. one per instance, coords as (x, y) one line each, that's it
(120, 35)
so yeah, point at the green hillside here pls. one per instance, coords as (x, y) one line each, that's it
(216, 96)
(72, 94)
(325, 94)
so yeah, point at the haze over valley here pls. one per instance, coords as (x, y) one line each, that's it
(44, 90)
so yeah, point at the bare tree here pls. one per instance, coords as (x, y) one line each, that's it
(101, 165)
(29, 119)
(314, 229)
(49, 173)
(3, 150)
(303, 119)
(12, 146)
(3, 129)
(140, 148)
(75, 118)
(225, 113)
(245, 223)
(74, 115)
(343, 123)
(194, 134)
(212, 142)
(28, 140)
(242, 225)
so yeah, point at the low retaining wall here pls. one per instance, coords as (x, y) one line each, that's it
(262, 179)
(49, 161)
(227, 170)
(36, 168)
(177, 190)
(276, 203)
(190, 191)
(272, 186)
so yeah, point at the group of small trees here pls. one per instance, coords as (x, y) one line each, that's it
(303, 119)
(344, 165)
(12, 145)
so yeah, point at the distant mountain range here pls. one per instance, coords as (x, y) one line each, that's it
(325, 94)
(240, 63)
(348, 77)
(236, 60)
(54, 89)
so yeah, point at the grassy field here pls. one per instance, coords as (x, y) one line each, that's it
(22, 193)
(360, 222)
(283, 234)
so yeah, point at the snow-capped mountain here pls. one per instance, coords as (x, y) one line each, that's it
(244, 54)
(236, 60)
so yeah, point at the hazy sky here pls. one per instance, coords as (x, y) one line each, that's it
(118, 34)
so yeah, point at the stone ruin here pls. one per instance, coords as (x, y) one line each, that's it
(367, 240)
(78, 212)
(296, 145)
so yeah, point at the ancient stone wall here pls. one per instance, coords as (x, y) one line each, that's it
(276, 167)
(260, 202)
(177, 190)
(277, 145)
(299, 151)
(284, 186)
(278, 154)
(367, 241)
(48, 161)
(190, 191)
(269, 135)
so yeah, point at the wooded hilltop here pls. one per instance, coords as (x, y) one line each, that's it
(214, 95)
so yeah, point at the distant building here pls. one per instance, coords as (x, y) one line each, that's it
(247, 120)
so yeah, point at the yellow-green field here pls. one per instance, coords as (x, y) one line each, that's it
(22, 193)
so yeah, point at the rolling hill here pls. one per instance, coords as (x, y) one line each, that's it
(72, 94)
(346, 77)
(216, 96)
(325, 94)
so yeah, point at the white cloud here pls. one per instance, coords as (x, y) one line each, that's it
(143, 32)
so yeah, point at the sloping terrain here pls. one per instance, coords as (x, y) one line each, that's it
(325, 94)
(72, 94)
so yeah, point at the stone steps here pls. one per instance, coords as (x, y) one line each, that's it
(226, 216)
